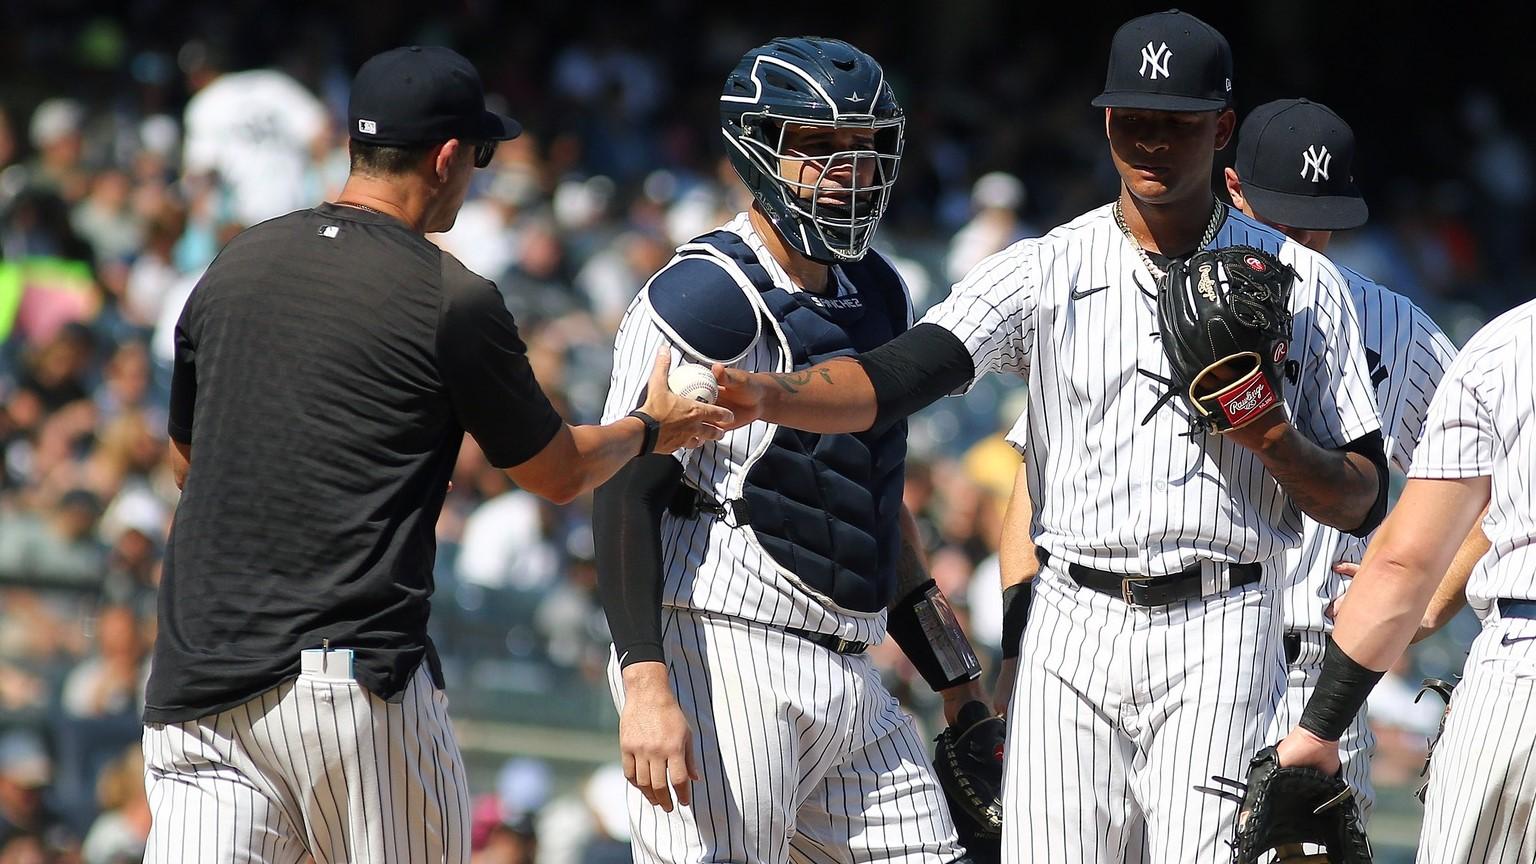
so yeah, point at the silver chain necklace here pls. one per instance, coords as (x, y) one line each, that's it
(1218, 216)
(361, 207)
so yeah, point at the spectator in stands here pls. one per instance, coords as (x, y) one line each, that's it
(110, 681)
(119, 833)
(58, 548)
(25, 774)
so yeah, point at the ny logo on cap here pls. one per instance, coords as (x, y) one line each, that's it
(1316, 159)
(367, 127)
(1157, 58)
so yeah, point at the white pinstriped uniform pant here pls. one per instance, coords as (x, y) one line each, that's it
(803, 753)
(1482, 780)
(1358, 743)
(318, 765)
(1119, 712)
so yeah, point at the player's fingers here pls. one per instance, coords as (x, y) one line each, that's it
(678, 773)
(713, 415)
(1346, 568)
(627, 760)
(661, 794)
(662, 365)
(693, 764)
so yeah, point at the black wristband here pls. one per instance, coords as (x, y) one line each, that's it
(1340, 694)
(924, 625)
(1016, 600)
(652, 431)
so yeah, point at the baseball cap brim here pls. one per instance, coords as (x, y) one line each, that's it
(500, 127)
(1156, 101)
(1308, 212)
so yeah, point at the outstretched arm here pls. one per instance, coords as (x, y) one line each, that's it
(851, 394)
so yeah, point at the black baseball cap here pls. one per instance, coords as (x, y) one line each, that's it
(1168, 61)
(422, 95)
(1296, 161)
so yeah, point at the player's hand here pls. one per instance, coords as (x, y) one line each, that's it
(685, 423)
(1002, 691)
(958, 695)
(741, 392)
(1347, 569)
(1302, 748)
(655, 739)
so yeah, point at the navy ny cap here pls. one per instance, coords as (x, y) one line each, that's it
(422, 95)
(1168, 61)
(1296, 161)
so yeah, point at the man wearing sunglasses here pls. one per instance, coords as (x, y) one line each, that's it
(328, 366)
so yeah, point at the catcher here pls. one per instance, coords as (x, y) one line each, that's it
(1151, 659)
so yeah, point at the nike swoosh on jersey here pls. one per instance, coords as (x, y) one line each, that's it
(1507, 640)
(1078, 295)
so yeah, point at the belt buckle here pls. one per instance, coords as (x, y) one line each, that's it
(842, 645)
(1125, 589)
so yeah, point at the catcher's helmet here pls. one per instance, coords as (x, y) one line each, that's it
(811, 81)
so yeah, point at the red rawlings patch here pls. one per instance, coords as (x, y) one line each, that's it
(1246, 402)
(1255, 264)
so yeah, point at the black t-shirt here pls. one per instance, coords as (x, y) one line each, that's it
(327, 367)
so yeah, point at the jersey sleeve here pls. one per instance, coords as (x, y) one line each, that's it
(1429, 354)
(1338, 401)
(1459, 434)
(992, 310)
(183, 380)
(484, 365)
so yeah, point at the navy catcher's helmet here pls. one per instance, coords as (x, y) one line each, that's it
(811, 81)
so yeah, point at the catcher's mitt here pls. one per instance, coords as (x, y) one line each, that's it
(1286, 807)
(969, 765)
(1225, 321)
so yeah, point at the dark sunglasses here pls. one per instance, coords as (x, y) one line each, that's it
(484, 151)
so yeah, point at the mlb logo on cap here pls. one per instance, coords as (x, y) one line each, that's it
(367, 127)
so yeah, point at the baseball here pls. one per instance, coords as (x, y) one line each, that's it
(692, 381)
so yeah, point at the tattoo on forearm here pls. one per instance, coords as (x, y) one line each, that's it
(792, 382)
(1326, 485)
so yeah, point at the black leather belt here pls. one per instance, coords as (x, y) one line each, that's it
(1516, 608)
(829, 641)
(1149, 590)
(1292, 646)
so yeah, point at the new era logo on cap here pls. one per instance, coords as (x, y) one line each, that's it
(367, 127)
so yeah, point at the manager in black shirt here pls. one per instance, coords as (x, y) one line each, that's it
(327, 367)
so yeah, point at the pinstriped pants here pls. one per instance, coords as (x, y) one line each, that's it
(804, 756)
(1482, 780)
(314, 765)
(1121, 714)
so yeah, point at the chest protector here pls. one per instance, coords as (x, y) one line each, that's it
(827, 507)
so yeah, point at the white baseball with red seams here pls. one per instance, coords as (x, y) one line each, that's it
(693, 381)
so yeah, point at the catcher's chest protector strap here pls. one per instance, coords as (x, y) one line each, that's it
(825, 507)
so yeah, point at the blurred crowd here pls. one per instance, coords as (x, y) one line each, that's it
(124, 171)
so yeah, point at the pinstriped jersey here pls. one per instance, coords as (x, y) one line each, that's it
(1407, 355)
(1482, 423)
(709, 565)
(1117, 485)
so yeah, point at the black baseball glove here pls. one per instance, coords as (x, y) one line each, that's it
(969, 765)
(1225, 321)
(1286, 807)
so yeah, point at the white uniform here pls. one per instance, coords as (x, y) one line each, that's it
(317, 766)
(1482, 423)
(1121, 711)
(256, 130)
(1407, 354)
(804, 755)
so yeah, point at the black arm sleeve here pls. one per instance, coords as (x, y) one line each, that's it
(626, 520)
(914, 370)
(1373, 448)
